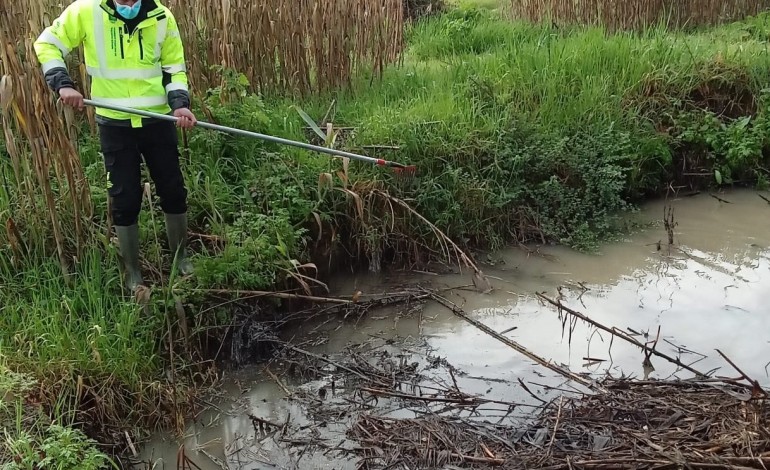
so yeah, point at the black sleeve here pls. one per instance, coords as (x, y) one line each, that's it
(177, 98)
(58, 78)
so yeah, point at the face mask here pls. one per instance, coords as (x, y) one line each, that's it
(128, 12)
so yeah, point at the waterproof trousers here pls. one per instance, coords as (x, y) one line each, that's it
(124, 148)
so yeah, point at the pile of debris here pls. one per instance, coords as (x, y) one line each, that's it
(634, 424)
(390, 403)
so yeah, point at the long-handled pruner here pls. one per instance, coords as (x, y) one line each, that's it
(402, 170)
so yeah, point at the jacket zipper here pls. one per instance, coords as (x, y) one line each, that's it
(141, 47)
(122, 55)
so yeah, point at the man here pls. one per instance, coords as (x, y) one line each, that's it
(135, 58)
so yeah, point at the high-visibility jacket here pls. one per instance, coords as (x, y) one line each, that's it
(141, 67)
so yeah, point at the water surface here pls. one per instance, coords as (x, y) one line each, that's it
(706, 292)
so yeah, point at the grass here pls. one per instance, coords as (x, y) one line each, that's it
(481, 99)
(520, 133)
(97, 359)
(31, 440)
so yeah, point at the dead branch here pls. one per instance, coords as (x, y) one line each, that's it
(756, 388)
(470, 401)
(464, 400)
(521, 349)
(278, 295)
(619, 334)
(277, 381)
(720, 199)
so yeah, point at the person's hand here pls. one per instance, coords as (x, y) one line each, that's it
(185, 118)
(71, 97)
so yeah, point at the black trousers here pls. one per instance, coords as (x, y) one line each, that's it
(123, 149)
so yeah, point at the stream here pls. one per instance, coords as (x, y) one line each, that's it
(704, 293)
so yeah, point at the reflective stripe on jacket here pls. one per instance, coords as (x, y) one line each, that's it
(143, 68)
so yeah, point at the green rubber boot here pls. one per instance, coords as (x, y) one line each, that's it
(176, 228)
(128, 239)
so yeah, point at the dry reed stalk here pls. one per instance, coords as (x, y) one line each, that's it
(45, 161)
(637, 424)
(302, 46)
(636, 14)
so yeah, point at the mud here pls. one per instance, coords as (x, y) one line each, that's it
(704, 292)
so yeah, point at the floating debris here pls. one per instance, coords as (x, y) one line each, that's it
(638, 424)
(390, 403)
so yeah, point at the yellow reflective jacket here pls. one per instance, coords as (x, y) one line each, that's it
(135, 63)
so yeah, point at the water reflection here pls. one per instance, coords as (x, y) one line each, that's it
(707, 293)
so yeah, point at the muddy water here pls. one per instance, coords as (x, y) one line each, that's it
(707, 292)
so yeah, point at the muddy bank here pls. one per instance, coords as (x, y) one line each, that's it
(704, 292)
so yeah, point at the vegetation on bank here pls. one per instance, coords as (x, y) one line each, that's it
(519, 132)
(31, 440)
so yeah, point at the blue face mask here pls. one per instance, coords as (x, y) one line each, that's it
(128, 12)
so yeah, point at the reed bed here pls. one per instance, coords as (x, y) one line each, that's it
(637, 14)
(641, 425)
(620, 423)
(301, 46)
(47, 187)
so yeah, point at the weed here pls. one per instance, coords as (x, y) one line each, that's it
(31, 440)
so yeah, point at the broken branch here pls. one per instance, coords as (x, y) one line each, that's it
(521, 349)
(617, 333)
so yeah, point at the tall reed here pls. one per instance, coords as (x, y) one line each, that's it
(47, 197)
(298, 46)
(636, 14)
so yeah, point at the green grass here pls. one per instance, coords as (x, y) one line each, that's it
(31, 440)
(82, 329)
(96, 357)
(493, 111)
(520, 132)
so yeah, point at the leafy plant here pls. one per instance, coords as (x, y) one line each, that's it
(734, 147)
(258, 246)
(31, 441)
(59, 448)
